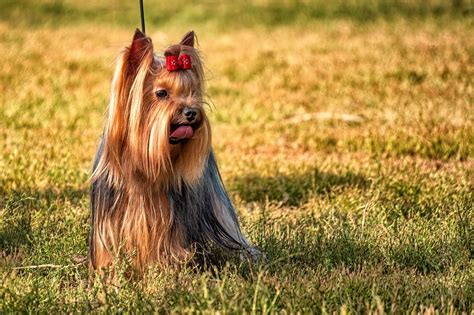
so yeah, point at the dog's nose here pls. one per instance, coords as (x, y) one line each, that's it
(190, 114)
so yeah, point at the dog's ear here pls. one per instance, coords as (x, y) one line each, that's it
(141, 45)
(188, 39)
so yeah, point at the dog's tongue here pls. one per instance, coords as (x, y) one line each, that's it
(182, 132)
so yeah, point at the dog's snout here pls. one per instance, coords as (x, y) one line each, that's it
(190, 114)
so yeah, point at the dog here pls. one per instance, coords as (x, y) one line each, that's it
(156, 194)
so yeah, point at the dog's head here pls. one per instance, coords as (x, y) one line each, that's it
(157, 129)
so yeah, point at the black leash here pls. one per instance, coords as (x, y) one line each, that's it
(142, 14)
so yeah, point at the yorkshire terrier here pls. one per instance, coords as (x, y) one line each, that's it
(157, 195)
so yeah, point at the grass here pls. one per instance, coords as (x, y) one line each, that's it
(343, 132)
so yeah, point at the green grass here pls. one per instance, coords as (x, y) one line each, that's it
(243, 13)
(343, 130)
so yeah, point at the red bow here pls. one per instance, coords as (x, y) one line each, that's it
(174, 63)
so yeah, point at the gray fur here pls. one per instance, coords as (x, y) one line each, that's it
(203, 209)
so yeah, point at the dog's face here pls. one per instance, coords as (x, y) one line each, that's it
(181, 91)
(157, 124)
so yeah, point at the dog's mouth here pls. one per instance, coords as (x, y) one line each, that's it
(182, 132)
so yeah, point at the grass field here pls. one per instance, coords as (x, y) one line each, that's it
(343, 130)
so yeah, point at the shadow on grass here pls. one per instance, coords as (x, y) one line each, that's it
(294, 189)
(327, 242)
(18, 207)
(339, 240)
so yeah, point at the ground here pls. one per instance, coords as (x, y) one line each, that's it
(343, 131)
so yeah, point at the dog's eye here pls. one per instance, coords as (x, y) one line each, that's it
(161, 93)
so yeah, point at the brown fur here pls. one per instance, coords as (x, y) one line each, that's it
(139, 163)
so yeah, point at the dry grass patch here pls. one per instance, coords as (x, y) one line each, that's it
(363, 215)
